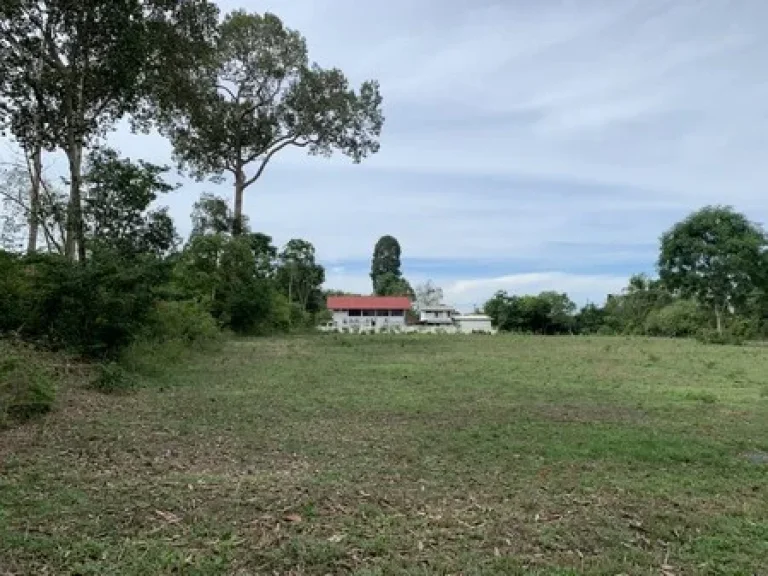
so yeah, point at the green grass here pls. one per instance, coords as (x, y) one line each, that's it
(402, 455)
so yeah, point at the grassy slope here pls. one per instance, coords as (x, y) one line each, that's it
(414, 455)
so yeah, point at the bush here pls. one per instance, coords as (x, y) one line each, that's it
(95, 308)
(185, 321)
(11, 317)
(26, 389)
(711, 336)
(681, 319)
(112, 378)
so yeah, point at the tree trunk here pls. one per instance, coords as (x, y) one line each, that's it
(75, 229)
(719, 319)
(237, 225)
(36, 177)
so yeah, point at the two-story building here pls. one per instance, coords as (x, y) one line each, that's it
(437, 315)
(368, 312)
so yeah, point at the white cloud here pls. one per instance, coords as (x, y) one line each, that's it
(581, 288)
(466, 294)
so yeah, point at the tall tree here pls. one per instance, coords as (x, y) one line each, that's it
(715, 255)
(262, 96)
(75, 67)
(385, 265)
(390, 284)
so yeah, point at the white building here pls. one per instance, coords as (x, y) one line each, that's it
(389, 314)
(437, 315)
(368, 312)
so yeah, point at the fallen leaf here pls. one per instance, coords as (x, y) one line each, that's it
(496, 552)
(336, 538)
(421, 546)
(293, 518)
(169, 517)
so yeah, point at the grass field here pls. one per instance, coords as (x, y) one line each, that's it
(403, 455)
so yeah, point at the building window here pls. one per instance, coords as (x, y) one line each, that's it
(356, 313)
(369, 313)
(398, 313)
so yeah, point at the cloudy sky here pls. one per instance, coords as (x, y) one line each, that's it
(528, 145)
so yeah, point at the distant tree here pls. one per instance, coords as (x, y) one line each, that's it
(546, 313)
(499, 308)
(716, 256)
(299, 275)
(590, 319)
(261, 96)
(390, 284)
(385, 265)
(627, 312)
(561, 312)
(428, 294)
(211, 215)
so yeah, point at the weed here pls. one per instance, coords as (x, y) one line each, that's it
(112, 378)
(27, 389)
(703, 397)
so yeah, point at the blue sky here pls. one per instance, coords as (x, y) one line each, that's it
(527, 145)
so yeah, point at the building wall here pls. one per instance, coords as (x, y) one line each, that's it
(469, 325)
(342, 319)
(434, 316)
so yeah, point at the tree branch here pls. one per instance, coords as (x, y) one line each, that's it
(228, 91)
(275, 148)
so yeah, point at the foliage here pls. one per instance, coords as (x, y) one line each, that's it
(112, 378)
(590, 319)
(547, 313)
(682, 318)
(94, 308)
(117, 196)
(70, 70)
(385, 265)
(184, 320)
(627, 313)
(27, 389)
(722, 338)
(716, 256)
(388, 284)
(258, 96)
(299, 277)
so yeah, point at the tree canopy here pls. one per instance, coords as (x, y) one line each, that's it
(69, 70)
(259, 96)
(715, 255)
(385, 266)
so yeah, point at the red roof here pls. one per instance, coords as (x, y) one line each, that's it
(368, 303)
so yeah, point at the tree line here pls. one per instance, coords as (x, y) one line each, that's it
(712, 284)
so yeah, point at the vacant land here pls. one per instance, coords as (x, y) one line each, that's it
(403, 455)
